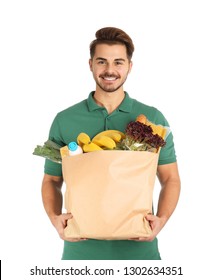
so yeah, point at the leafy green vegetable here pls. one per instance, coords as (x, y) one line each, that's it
(140, 137)
(50, 150)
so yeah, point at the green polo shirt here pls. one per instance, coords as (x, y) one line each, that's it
(91, 118)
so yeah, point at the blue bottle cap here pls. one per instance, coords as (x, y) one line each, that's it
(72, 146)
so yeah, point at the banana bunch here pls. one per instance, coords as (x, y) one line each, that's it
(105, 140)
(86, 144)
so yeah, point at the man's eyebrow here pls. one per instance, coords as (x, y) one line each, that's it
(116, 59)
(120, 59)
(100, 58)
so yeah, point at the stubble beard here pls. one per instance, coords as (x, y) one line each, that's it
(111, 88)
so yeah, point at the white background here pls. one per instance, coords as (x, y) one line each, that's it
(44, 54)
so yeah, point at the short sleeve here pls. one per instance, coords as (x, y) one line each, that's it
(53, 168)
(167, 153)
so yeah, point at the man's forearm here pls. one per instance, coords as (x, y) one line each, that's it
(52, 198)
(168, 199)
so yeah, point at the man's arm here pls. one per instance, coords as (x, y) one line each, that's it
(169, 178)
(52, 201)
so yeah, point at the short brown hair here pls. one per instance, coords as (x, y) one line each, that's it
(112, 36)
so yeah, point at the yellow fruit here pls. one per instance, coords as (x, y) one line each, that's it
(91, 147)
(83, 139)
(116, 135)
(64, 151)
(104, 142)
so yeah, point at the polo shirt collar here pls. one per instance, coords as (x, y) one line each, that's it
(125, 106)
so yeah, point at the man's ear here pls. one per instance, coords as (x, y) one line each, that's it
(90, 64)
(131, 65)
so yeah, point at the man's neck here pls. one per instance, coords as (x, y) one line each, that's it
(109, 100)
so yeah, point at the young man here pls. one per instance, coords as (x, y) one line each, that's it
(109, 107)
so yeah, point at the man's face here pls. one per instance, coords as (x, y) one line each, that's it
(110, 66)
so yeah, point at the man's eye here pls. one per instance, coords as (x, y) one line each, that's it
(101, 62)
(119, 63)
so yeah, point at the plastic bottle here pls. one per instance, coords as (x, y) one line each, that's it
(74, 149)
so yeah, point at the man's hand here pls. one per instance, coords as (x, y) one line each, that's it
(156, 224)
(60, 222)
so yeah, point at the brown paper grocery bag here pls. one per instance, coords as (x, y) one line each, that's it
(109, 193)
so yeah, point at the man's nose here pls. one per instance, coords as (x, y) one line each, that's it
(109, 68)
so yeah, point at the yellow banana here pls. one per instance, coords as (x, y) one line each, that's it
(105, 142)
(83, 139)
(91, 147)
(116, 135)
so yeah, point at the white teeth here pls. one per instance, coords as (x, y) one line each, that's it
(110, 78)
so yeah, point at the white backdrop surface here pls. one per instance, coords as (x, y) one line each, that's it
(44, 54)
